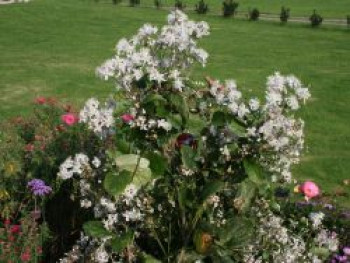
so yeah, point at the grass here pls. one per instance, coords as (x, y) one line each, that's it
(52, 48)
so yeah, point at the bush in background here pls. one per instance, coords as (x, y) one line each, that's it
(134, 2)
(201, 7)
(158, 4)
(179, 5)
(316, 19)
(229, 8)
(285, 14)
(254, 14)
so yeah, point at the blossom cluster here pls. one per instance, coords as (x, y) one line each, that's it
(158, 55)
(99, 119)
(271, 123)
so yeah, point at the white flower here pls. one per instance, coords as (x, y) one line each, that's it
(316, 218)
(164, 125)
(254, 104)
(85, 203)
(101, 255)
(96, 162)
(130, 191)
(132, 215)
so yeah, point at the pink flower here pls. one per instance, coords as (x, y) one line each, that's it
(69, 118)
(15, 229)
(127, 118)
(40, 100)
(29, 147)
(309, 189)
(346, 251)
(25, 256)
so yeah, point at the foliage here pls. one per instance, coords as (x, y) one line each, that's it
(179, 5)
(134, 2)
(201, 7)
(254, 14)
(285, 14)
(229, 8)
(315, 19)
(158, 4)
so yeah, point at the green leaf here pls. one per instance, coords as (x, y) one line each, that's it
(254, 171)
(188, 156)
(211, 188)
(155, 104)
(137, 166)
(95, 229)
(149, 259)
(115, 183)
(118, 243)
(158, 163)
(237, 231)
(180, 105)
(218, 118)
(245, 194)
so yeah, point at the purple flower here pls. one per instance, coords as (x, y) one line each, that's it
(38, 187)
(346, 251)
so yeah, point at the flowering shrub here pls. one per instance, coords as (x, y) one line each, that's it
(193, 175)
(172, 169)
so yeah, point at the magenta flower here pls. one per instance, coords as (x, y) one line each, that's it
(38, 187)
(69, 119)
(309, 189)
(127, 118)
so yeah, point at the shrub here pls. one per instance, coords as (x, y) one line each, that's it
(254, 14)
(134, 2)
(348, 20)
(179, 5)
(116, 1)
(229, 8)
(158, 4)
(201, 7)
(284, 15)
(316, 19)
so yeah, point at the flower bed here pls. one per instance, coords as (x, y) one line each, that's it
(170, 169)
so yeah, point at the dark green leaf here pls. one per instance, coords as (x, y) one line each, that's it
(115, 183)
(188, 156)
(218, 118)
(118, 243)
(158, 163)
(211, 188)
(95, 229)
(180, 105)
(254, 171)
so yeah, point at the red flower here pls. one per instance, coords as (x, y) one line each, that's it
(40, 100)
(69, 119)
(29, 147)
(25, 257)
(15, 229)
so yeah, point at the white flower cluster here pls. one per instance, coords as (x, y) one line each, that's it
(282, 243)
(99, 119)
(145, 124)
(277, 129)
(158, 55)
(73, 166)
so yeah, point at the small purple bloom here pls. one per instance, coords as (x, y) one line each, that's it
(38, 187)
(346, 251)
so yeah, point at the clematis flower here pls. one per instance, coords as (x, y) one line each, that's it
(69, 119)
(186, 139)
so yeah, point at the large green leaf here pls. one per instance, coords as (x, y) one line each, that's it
(115, 183)
(219, 118)
(246, 192)
(158, 163)
(188, 156)
(155, 104)
(180, 105)
(211, 188)
(254, 171)
(149, 259)
(118, 243)
(137, 166)
(95, 229)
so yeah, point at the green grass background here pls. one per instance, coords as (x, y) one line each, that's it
(52, 48)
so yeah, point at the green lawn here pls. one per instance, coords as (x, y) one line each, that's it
(52, 47)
